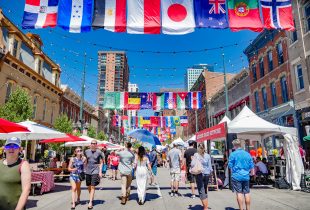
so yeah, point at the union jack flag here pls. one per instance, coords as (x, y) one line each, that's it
(217, 6)
(278, 14)
(150, 97)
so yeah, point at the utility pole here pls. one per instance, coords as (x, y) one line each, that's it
(82, 95)
(225, 86)
(196, 116)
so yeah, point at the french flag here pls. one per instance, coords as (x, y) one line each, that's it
(40, 14)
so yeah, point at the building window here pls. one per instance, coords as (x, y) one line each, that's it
(52, 115)
(265, 101)
(299, 78)
(15, 47)
(270, 61)
(274, 94)
(294, 36)
(284, 89)
(35, 104)
(9, 86)
(44, 108)
(280, 53)
(39, 67)
(307, 16)
(254, 72)
(257, 101)
(261, 67)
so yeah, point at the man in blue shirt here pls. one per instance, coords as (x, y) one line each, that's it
(241, 163)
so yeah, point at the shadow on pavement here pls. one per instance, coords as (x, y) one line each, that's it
(196, 207)
(230, 208)
(31, 203)
(95, 202)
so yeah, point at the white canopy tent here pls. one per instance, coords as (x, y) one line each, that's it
(178, 141)
(88, 142)
(225, 119)
(247, 125)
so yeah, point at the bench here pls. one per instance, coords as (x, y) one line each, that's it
(34, 185)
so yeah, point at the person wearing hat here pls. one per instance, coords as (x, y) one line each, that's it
(15, 179)
(241, 163)
(153, 161)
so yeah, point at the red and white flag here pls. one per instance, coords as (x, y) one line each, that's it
(143, 17)
(110, 14)
(177, 16)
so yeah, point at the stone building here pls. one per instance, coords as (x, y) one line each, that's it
(270, 78)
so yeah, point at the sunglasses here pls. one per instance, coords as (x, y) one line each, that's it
(79, 150)
(94, 143)
(11, 146)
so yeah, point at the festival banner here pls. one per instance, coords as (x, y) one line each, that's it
(217, 131)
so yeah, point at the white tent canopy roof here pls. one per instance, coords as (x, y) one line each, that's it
(225, 119)
(248, 125)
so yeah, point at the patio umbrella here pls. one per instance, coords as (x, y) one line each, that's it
(9, 127)
(307, 138)
(37, 132)
(144, 136)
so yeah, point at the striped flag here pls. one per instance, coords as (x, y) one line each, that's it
(170, 100)
(143, 17)
(158, 101)
(193, 100)
(121, 100)
(181, 100)
(110, 15)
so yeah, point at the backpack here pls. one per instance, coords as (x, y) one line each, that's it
(196, 166)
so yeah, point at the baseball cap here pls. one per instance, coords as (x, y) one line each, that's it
(13, 140)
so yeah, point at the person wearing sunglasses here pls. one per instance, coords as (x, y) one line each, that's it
(76, 168)
(15, 179)
(94, 161)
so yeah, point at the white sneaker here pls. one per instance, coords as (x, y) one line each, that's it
(172, 194)
(193, 196)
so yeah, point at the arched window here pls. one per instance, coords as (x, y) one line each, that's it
(8, 91)
(35, 104)
(44, 108)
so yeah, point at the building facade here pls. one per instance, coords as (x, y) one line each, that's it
(24, 64)
(238, 97)
(209, 83)
(270, 78)
(299, 57)
(192, 74)
(113, 73)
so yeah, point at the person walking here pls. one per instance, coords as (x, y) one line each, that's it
(125, 168)
(114, 162)
(154, 162)
(15, 178)
(241, 163)
(189, 153)
(202, 179)
(142, 165)
(105, 166)
(77, 175)
(174, 158)
(95, 160)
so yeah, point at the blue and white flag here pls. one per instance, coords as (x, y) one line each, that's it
(210, 14)
(75, 16)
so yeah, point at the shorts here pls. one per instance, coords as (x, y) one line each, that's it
(175, 174)
(114, 167)
(190, 177)
(154, 169)
(75, 178)
(92, 180)
(241, 186)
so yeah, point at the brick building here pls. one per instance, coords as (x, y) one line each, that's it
(270, 78)
(208, 83)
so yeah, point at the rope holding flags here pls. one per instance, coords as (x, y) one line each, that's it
(155, 101)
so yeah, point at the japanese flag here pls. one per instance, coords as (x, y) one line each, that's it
(177, 16)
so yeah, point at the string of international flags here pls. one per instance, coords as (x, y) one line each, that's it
(156, 16)
(155, 101)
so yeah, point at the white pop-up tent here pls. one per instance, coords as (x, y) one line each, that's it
(225, 119)
(247, 125)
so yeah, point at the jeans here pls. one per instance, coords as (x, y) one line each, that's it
(126, 184)
(202, 181)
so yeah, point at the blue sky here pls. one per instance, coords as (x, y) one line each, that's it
(151, 71)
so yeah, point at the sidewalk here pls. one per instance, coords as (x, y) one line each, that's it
(158, 198)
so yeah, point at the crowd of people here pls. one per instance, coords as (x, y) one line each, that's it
(93, 164)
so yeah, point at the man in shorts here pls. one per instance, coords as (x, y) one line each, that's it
(189, 153)
(95, 160)
(174, 158)
(241, 163)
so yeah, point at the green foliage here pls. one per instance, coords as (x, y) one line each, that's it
(102, 136)
(91, 132)
(18, 108)
(63, 124)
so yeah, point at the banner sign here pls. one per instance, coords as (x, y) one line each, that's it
(217, 131)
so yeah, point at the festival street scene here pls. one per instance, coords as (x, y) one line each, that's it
(155, 104)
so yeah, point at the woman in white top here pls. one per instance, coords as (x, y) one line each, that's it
(143, 168)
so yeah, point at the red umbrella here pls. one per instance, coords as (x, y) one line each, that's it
(69, 138)
(9, 127)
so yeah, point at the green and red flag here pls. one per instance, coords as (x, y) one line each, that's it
(244, 14)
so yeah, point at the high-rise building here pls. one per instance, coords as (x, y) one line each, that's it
(133, 88)
(113, 73)
(193, 73)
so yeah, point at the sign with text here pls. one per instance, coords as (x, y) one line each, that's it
(217, 131)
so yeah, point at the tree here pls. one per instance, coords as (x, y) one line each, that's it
(91, 132)
(102, 136)
(63, 124)
(18, 108)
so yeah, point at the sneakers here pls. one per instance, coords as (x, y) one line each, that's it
(172, 194)
(177, 194)
(193, 196)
